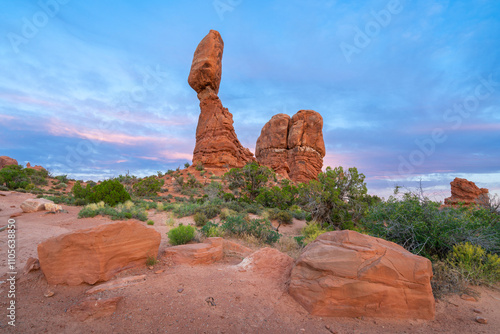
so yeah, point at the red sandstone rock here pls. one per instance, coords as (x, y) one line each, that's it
(6, 161)
(38, 168)
(94, 308)
(348, 274)
(293, 147)
(216, 142)
(212, 250)
(271, 149)
(97, 254)
(466, 192)
(206, 69)
(35, 204)
(116, 284)
(268, 262)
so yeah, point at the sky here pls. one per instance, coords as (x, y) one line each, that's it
(409, 91)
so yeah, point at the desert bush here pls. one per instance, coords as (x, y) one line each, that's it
(200, 219)
(17, 177)
(199, 166)
(213, 190)
(282, 197)
(150, 222)
(248, 180)
(311, 231)
(181, 235)
(420, 226)
(211, 229)
(151, 261)
(149, 186)
(259, 228)
(474, 264)
(125, 210)
(111, 192)
(336, 197)
(209, 210)
(62, 178)
(186, 209)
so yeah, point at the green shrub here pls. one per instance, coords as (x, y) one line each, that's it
(336, 197)
(110, 192)
(248, 180)
(475, 265)
(259, 228)
(200, 219)
(151, 261)
(150, 222)
(213, 190)
(211, 229)
(420, 226)
(209, 210)
(186, 165)
(278, 197)
(311, 231)
(149, 186)
(181, 235)
(62, 178)
(125, 210)
(199, 166)
(186, 209)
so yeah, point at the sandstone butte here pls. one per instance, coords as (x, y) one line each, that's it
(464, 191)
(216, 142)
(293, 147)
(6, 161)
(348, 274)
(97, 254)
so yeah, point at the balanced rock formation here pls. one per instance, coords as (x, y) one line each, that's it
(6, 161)
(348, 274)
(464, 191)
(216, 142)
(97, 254)
(293, 147)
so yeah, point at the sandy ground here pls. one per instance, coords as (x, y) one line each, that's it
(244, 302)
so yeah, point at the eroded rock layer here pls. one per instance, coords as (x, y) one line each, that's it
(293, 147)
(216, 142)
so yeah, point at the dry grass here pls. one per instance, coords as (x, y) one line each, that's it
(289, 246)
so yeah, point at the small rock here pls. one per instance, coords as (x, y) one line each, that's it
(49, 293)
(180, 290)
(159, 271)
(150, 267)
(477, 311)
(481, 320)
(468, 298)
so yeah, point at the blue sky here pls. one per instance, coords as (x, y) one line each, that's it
(408, 91)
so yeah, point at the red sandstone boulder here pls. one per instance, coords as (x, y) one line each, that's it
(6, 161)
(97, 254)
(268, 262)
(348, 274)
(464, 191)
(206, 69)
(216, 142)
(293, 147)
(37, 204)
(212, 250)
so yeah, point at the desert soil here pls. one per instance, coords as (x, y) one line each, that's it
(175, 300)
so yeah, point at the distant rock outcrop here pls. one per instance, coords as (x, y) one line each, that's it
(293, 147)
(349, 274)
(216, 142)
(464, 191)
(36, 167)
(6, 161)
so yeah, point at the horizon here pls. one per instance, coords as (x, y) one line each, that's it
(408, 92)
